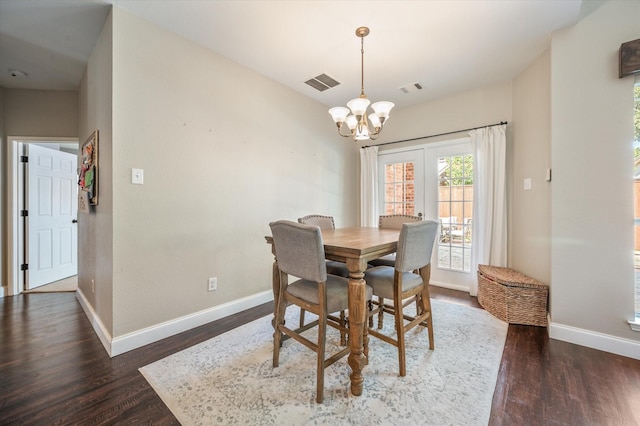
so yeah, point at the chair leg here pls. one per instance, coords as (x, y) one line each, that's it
(322, 331)
(365, 344)
(400, 332)
(343, 333)
(425, 302)
(381, 312)
(277, 334)
(302, 311)
(370, 308)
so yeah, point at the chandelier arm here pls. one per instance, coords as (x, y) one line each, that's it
(340, 131)
(375, 133)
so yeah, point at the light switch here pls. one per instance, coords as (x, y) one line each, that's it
(527, 184)
(137, 176)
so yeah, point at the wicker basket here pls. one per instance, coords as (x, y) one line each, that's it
(512, 296)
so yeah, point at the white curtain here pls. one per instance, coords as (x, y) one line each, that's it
(369, 186)
(490, 198)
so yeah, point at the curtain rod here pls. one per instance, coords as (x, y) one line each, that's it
(439, 134)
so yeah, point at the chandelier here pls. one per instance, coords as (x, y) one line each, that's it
(359, 127)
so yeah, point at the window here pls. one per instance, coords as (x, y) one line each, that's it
(455, 212)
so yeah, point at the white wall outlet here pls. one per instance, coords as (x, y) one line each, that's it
(527, 184)
(213, 284)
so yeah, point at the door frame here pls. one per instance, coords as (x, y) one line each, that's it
(15, 201)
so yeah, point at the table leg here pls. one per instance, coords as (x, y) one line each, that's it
(357, 322)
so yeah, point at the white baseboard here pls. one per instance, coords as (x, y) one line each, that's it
(450, 286)
(139, 338)
(98, 326)
(594, 340)
(2, 292)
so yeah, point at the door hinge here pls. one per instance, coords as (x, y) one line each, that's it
(24, 159)
(24, 213)
(24, 267)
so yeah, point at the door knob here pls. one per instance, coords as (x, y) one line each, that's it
(74, 221)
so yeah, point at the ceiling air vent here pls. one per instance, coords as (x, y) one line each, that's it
(411, 87)
(322, 82)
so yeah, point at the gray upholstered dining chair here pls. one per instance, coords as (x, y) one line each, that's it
(392, 221)
(402, 285)
(333, 267)
(300, 252)
(326, 222)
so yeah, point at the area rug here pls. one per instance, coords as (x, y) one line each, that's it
(229, 380)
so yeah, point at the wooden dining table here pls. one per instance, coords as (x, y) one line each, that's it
(355, 247)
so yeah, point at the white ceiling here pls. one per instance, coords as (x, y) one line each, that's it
(447, 46)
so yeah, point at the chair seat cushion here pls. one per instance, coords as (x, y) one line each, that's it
(337, 268)
(380, 279)
(388, 260)
(337, 292)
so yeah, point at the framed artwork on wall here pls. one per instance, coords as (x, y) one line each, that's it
(88, 174)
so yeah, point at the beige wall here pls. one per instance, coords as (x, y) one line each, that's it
(591, 154)
(41, 113)
(224, 152)
(530, 218)
(95, 229)
(479, 107)
(30, 114)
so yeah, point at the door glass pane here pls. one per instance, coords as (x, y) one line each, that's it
(455, 208)
(399, 192)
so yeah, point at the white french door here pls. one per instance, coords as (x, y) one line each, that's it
(439, 177)
(52, 206)
(450, 177)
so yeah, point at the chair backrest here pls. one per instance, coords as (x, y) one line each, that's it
(299, 250)
(415, 245)
(324, 222)
(395, 221)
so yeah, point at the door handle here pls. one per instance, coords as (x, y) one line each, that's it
(74, 221)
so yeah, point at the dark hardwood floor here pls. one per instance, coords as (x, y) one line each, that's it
(54, 370)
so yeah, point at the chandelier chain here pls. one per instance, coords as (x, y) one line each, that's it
(362, 95)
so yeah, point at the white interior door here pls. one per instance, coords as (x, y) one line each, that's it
(52, 249)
